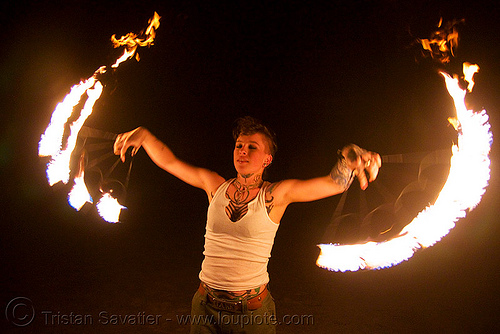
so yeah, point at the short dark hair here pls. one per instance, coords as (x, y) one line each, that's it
(249, 125)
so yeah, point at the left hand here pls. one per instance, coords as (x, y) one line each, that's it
(133, 139)
(360, 160)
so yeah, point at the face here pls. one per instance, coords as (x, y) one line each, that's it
(251, 153)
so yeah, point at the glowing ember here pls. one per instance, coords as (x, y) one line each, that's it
(109, 208)
(52, 143)
(465, 185)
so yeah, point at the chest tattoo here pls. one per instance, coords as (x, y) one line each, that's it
(238, 202)
(236, 211)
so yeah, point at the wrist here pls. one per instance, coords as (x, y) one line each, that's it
(143, 134)
(341, 174)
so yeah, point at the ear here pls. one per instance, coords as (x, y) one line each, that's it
(268, 160)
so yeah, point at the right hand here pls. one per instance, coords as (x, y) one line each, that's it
(133, 139)
(360, 160)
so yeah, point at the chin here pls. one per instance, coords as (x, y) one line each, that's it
(244, 171)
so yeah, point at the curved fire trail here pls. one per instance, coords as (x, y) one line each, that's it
(468, 177)
(53, 143)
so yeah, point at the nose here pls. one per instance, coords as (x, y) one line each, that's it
(243, 151)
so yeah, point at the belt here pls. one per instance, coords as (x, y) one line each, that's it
(234, 305)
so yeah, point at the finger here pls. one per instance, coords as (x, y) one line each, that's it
(363, 182)
(372, 165)
(372, 171)
(378, 160)
(123, 151)
(116, 145)
(377, 164)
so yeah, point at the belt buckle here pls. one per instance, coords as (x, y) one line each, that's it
(225, 305)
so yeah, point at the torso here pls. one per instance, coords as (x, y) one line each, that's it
(237, 251)
(238, 203)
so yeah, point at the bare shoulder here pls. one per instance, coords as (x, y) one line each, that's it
(212, 182)
(277, 191)
(271, 187)
(275, 196)
(279, 187)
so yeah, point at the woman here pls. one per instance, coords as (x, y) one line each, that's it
(243, 216)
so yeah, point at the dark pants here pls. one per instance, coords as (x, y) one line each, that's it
(205, 318)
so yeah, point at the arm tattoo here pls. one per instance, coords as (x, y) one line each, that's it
(341, 174)
(270, 197)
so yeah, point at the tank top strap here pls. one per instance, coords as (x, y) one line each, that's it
(222, 188)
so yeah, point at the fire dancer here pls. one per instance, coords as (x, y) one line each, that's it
(243, 216)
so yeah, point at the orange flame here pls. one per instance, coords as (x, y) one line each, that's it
(469, 71)
(442, 41)
(52, 140)
(466, 183)
(58, 168)
(131, 40)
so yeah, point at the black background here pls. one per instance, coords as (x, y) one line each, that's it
(321, 75)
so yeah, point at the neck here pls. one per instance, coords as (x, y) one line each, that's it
(250, 179)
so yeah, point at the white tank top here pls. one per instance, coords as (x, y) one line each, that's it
(237, 253)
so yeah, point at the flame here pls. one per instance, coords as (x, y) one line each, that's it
(466, 183)
(58, 168)
(131, 40)
(52, 143)
(79, 194)
(443, 41)
(469, 71)
(109, 208)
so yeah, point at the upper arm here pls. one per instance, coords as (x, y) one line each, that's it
(294, 190)
(163, 157)
(280, 194)
(196, 176)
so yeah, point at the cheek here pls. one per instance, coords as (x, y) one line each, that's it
(258, 159)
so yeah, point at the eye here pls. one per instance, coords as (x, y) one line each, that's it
(252, 147)
(238, 145)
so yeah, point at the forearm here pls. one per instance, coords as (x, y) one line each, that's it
(165, 159)
(159, 153)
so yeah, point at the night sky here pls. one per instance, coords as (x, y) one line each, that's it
(321, 75)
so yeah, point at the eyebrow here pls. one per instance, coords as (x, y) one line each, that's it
(251, 142)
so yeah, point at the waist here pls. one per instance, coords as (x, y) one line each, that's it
(233, 274)
(235, 300)
(233, 295)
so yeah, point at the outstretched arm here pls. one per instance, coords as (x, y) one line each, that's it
(353, 162)
(166, 159)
